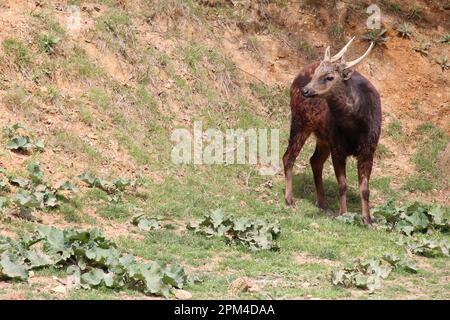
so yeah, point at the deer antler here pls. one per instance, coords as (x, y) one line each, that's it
(353, 63)
(341, 53)
(327, 54)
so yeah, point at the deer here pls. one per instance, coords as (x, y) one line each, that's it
(342, 109)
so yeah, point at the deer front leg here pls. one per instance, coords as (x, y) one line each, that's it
(317, 160)
(296, 142)
(339, 163)
(364, 171)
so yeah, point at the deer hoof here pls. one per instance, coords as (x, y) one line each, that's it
(290, 203)
(329, 212)
(325, 209)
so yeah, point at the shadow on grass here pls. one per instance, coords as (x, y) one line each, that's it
(303, 188)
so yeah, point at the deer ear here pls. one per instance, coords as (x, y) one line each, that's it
(347, 74)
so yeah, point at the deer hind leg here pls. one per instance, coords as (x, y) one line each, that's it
(364, 171)
(339, 163)
(296, 141)
(317, 160)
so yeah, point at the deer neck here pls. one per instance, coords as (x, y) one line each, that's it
(342, 99)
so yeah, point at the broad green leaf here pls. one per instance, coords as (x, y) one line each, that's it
(148, 224)
(12, 269)
(37, 258)
(19, 142)
(87, 177)
(108, 279)
(21, 182)
(419, 220)
(26, 199)
(351, 218)
(121, 183)
(54, 238)
(93, 277)
(39, 145)
(256, 234)
(401, 262)
(66, 185)
(35, 172)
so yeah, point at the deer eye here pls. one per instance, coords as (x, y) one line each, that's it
(329, 78)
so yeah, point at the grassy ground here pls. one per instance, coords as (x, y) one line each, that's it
(96, 117)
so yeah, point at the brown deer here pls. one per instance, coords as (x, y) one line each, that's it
(343, 110)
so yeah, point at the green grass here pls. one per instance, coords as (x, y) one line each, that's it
(74, 145)
(18, 99)
(99, 98)
(396, 7)
(86, 116)
(17, 51)
(115, 29)
(274, 99)
(282, 272)
(192, 55)
(394, 129)
(254, 45)
(382, 151)
(337, 31)
(306, 48)
(77, 65)
(138, 151)
(432, 141)
(115, 211)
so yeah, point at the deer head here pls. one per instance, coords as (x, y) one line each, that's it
(332, 71)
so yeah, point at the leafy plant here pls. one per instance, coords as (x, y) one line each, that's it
(443, 63)
(445, 38)
(34, 193)
(145, 223)
(396, 7)
(412, 218)
(400, 262)
(427, 247)
(90, 260)
(48, 42)
(423, 47)
(351, 218)
(108, 186)
(404, 30)
(21, 142)
(363, 275)
(415, 13)
(368, 274)
(376, 36)
(256, 234)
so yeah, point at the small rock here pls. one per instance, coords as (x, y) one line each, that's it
(239, 285)
(60, 289)
(243, 284)
(314, 225)
(183, 294)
